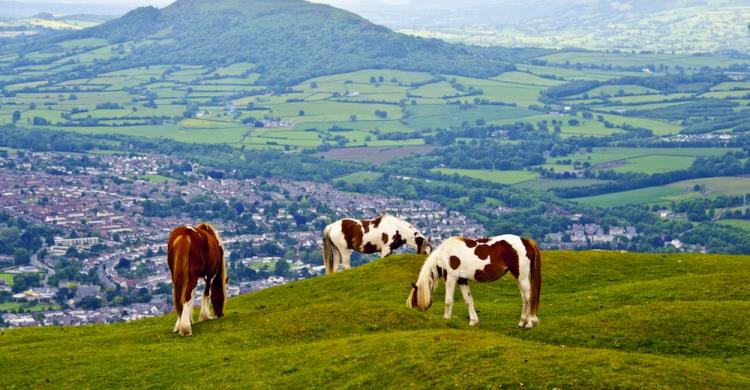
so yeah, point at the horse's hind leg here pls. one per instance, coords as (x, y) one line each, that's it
(525, 288)
(464, 285)
(346, 258)
(205, 312)
(450, 290)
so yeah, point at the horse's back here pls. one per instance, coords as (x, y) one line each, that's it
(198, 252)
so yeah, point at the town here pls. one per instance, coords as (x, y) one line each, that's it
(101, 255)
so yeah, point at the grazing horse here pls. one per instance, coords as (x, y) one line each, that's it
(380, 235)
(194, 253)
(459, 259)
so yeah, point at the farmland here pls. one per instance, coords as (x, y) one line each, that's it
(519, 129)
(682, 190)
(502, 177)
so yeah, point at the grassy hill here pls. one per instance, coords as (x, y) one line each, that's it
(288, 41)
(608, 320)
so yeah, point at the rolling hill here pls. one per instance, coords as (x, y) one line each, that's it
(682, 25)
(287, 40)
(608, 320)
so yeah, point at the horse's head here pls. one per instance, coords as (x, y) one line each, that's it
(417, 298)
(219, 284)
(424, 246)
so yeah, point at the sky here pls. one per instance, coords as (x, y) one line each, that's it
(162, 3)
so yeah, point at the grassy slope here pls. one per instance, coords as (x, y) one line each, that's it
(608, 320)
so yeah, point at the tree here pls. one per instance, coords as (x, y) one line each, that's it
(16, 116)
(281, 268)
(90, 302)
(21, 256)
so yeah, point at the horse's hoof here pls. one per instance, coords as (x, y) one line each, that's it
(522, 324)
(473, 323)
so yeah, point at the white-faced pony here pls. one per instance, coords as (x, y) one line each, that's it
(380, 235)
(458, 260)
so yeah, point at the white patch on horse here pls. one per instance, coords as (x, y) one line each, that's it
(205, 312)
(186, 318)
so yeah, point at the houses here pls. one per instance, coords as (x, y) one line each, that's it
(102, 206)
(584, 235)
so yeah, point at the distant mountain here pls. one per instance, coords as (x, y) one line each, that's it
(681, 25)
(511, 12)
(289, 40)
(17, 9)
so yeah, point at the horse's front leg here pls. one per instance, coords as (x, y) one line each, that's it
(473, 318)
(450, 289)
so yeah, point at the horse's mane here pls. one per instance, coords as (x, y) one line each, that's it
(427, 281)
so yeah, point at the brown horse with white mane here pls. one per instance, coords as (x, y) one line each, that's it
(194, 253)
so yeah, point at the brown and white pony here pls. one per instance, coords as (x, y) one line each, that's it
(194, 253)
(380, 235)
(459, 259)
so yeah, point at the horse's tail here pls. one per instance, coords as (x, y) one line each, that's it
(328, 249)
(535, 258)
(181, 272)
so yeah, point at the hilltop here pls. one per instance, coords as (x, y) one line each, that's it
(608, 320)
(287, 40)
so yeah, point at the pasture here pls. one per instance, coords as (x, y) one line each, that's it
(640, 196)
(677, 323)
(375, 155)
(501, 177)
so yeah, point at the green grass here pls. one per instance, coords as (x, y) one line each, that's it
(639, 196)
(655, 164)
(738, 223)
(502, 177)
(8, 278)
(729, 186)
(546, 184)
(359, 177)
(12, 306)
(437, 116)
(676, 323)
(682, 190)
(156, 179)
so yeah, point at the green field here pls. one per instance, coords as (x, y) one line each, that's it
(738, 223)
(8, 278)
(546, 184)
(655, 164)
(676, 323)
(639, 196)
(718, 185)
(13, 306)
(682, 190)
(502, 177)
(359, 177)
